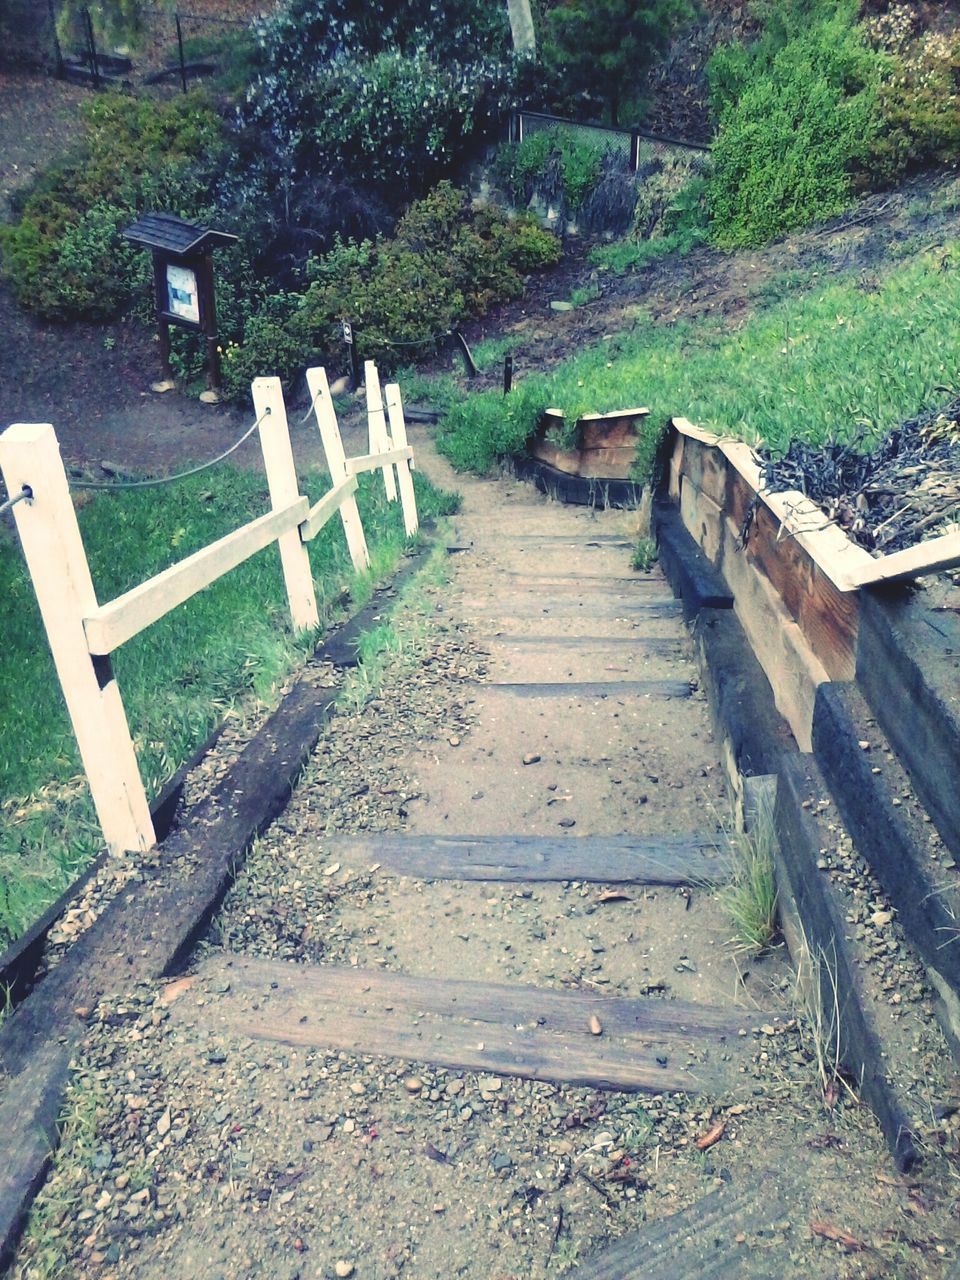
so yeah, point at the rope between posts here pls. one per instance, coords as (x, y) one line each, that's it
(180, 475)
(25, 494)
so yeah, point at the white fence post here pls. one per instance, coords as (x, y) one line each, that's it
(398, 433)
(337, 466)
(284, 489)
(53, 549)
(377, 425)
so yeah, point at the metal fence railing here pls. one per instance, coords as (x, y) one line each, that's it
(629, 144)
(168, 47)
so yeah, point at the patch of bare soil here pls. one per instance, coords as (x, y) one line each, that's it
(200, 1149)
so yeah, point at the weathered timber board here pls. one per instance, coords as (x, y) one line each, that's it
(532, 1032)
(608, 584)
(694, 579)
(802, 835)
(907, 667)
(705, 1240)
(592, 688)
(693, 859)
(658, 646)
(569, 609)
(552, 539)
(827, 616)
(893, 839)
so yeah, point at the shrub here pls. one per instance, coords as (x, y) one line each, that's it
(446, 261)
(796, 116)
(604, 47)
(388, 93)
(918, 102)
(551, 164)
(404, 119)
(64, 255)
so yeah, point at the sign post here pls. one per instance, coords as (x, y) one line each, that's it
(183, 285)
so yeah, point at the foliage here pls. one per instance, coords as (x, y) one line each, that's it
(116, 22)
(785, 374)
(603, 48)
(644, 555)
(227, 649)
(446, 261)
(667, 219)
(316, 32)
(388, 93)
(749, 896)
(919, 97)
(64, 255)
(403, 118)
(796, 112)
(551, 163)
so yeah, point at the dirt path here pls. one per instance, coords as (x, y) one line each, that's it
(374, 1070)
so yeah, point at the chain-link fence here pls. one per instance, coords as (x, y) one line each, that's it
(628, 145)
(168, 47)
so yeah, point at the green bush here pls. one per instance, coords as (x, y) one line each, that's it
(64, 255)
(918, 102)
(797, 113)
(447, 261)
(404, 119)
(551, 164)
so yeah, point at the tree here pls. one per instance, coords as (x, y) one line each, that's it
(605, 47)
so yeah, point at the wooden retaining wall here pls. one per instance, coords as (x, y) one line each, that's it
(801, 624)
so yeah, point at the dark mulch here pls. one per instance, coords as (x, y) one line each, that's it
(890, 498)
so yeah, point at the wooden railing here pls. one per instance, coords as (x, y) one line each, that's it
(82, 633)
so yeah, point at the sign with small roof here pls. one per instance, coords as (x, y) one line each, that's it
(183, 283)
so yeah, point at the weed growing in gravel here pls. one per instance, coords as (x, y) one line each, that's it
(644, 555)
(398, 638)
(227, 649)
(786, 374)
(749, 897)
(61, 1195)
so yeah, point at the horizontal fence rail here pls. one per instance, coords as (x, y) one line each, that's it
(626, 143)
(82, 633)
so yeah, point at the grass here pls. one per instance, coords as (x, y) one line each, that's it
(749, 897)
(837, 362)
(623, 256)
(644, 555)
(223, 652)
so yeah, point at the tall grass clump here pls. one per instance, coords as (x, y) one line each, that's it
(834, 363)
(749, 897)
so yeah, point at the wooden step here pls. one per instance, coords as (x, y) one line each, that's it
(536, 1033)
(591, 688)
(657, 646)
(694, 859)
(724, 1236)
(505, 608)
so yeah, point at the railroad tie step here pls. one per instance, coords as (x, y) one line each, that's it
(727, 1235)
(693, 859)
(666, 689)
(558, 1036)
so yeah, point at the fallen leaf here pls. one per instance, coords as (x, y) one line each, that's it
(712, 1136)
(614, 895)
(829, 1232)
